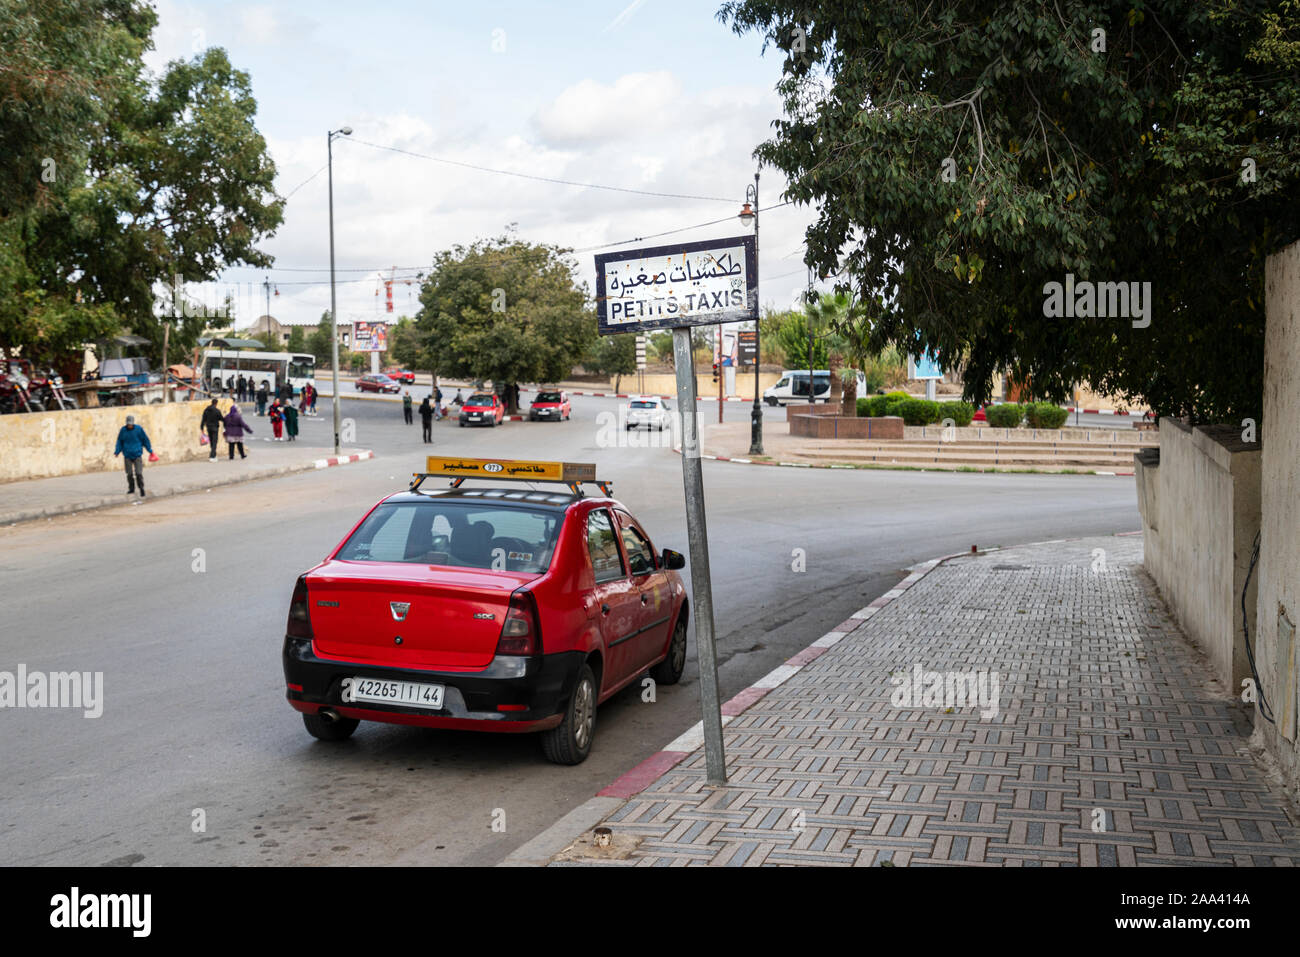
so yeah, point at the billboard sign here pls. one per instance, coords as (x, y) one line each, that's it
(924, 367)
(748, 347)
(369, 337)
(689, 284)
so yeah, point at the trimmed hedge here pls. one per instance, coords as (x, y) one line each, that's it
(1045, 415)
(1006, 416)
(874, 406)
(960, 412)
(918, 411)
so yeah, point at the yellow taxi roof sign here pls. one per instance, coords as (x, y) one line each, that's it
(518, 469)
(458, 468)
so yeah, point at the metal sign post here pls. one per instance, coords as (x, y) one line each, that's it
(678, 287)
(698, 540)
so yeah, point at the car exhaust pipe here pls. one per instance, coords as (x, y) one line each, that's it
(329, 715)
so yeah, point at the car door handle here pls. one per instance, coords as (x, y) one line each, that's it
(604, 609)
(645, 599)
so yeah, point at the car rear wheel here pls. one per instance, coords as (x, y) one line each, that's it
(323, 729)
(570, 741)
(669, 671)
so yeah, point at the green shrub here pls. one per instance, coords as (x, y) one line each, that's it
(918, 411)
(960, 412)
(1005, 416)
(1045, 415)
(873, 406)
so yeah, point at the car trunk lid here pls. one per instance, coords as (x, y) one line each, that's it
(452, 622)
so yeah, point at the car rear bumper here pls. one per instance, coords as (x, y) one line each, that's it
(533, 691)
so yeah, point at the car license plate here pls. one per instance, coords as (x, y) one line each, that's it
(412, 693)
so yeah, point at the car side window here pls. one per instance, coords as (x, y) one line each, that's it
(606, 562)
(639, 555)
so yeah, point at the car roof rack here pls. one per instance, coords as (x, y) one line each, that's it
(572, 474)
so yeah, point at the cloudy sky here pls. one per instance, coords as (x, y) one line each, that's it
(652, 95)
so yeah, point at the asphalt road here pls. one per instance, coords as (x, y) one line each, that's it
(189, 641)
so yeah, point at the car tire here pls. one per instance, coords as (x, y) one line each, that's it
(569, 742)
(669, 671)
(340, 729)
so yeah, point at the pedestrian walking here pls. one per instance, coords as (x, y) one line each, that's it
(241, 387)
(426, 419)
(230, 384)
(132, 441)
(277, 421)
(291, 422)
(310, 401)
(263, 396)
(437, 403)
(406, 407)
(211, 424)
(236, 429)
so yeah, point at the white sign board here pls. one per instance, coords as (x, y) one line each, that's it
(691, 284)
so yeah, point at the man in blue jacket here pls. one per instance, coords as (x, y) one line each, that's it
(132, 441)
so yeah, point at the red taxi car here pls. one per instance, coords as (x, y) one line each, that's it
(400, 375)
(550, 405)
(485, 608)
(482, 408)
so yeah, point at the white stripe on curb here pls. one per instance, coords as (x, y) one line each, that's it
(343, 459)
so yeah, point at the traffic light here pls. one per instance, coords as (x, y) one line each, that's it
(715, 372)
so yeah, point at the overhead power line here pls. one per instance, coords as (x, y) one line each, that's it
(540, 179)
(573, 252)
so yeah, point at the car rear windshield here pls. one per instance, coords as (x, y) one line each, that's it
(458, 534)
(548, 397)
(645, 405)
(479, 400)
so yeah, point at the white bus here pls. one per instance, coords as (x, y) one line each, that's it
(221, 370)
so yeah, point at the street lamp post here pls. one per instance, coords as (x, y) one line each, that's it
(334, 306)
(750, 212)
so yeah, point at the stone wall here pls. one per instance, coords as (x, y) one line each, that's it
(45, 444)
(1200, 505)
(1278, 569)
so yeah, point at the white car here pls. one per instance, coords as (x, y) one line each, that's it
(793, 387)
(649, 411)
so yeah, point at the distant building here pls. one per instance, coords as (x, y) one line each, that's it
(275, 332)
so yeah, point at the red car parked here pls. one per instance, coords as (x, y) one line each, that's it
(377, 383)
(493, 609)
(482, 408)
(550, 405)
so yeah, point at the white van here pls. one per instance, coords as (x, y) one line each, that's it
(793, 387)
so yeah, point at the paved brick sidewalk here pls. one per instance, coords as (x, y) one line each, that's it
(1103, 718)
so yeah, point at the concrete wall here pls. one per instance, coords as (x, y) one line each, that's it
(1278, 570)
(1200, 511)
(41, 445)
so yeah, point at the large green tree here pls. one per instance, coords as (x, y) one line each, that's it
(148, 179)
(964, 155)
(612, 356)
(505, 310)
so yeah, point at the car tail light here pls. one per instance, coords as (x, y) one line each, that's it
(299, 625)
(520, 634)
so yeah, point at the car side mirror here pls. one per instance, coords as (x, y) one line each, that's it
(673, 560)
